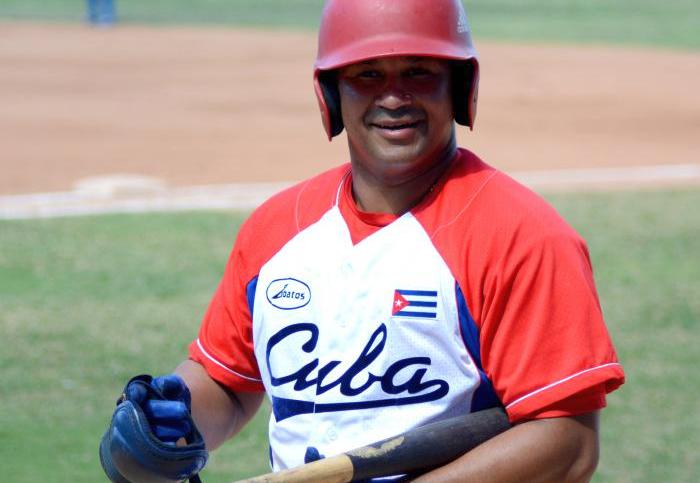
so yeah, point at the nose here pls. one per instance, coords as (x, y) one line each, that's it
(394, 95)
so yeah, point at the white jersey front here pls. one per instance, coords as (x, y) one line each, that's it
(356, 343)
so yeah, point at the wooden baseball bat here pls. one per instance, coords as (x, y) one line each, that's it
(418, 449)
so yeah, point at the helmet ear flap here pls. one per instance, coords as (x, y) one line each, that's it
(328, 82)
(463, 89)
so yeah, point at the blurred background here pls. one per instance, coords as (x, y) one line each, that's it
(162, 123)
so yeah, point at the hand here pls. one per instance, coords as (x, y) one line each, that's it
(152, 436)
(169, 418)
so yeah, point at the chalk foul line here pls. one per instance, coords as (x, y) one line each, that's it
(156, 197)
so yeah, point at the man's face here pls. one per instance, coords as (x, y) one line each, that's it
(398, 115)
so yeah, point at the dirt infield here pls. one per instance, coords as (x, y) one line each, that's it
(203, 106)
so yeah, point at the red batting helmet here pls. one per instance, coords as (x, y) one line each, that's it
(357, 30)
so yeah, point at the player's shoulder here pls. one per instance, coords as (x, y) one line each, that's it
(305, 201)
(295, 208)
(481, 209)
(488, 199)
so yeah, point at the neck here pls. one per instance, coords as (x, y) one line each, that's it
(397, 196)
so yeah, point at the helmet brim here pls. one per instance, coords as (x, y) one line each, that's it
(392, 46)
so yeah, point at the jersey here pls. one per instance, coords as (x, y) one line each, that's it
(360, 326)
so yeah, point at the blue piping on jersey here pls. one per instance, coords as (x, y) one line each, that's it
(250, 294)
(485, 396)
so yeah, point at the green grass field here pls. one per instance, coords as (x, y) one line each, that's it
(85, 303)
(672, 23)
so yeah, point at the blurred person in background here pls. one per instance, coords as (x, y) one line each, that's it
(101, 12)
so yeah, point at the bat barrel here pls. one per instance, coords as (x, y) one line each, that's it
(418, 449)
(428, 446)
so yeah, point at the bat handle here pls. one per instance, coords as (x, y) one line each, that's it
(336, 469)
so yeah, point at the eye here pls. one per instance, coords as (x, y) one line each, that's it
(418, 72)
(368, 74)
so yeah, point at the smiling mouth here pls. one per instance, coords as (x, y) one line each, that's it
(396, 127)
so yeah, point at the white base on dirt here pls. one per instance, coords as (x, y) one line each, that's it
(119, 186)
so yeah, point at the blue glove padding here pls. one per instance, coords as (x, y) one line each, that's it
(169, 418)
(150, 417)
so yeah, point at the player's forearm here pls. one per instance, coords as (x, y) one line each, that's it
(217, 413)
(541, 451)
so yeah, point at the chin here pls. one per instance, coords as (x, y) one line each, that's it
(398, 167)
(390, 161)
(400, 155)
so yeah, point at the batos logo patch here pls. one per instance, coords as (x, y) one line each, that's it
(288, 293)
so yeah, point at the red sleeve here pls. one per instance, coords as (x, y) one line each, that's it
(544, 342)
(225, 342)
(528, 284)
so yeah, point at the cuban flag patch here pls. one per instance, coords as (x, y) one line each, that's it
(421, 304)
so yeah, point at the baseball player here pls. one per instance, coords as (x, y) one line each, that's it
(412, 284)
